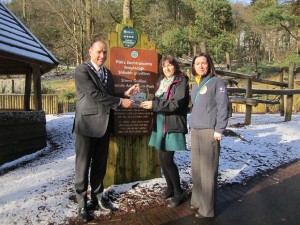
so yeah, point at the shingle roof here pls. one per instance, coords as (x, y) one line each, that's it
(19, 45)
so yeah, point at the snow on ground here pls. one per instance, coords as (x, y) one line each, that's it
(38, 188)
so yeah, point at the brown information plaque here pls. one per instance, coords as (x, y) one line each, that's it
(130, 66)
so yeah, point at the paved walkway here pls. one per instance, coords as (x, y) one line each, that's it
(269, 199)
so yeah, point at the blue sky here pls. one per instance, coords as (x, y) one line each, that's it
(245, 1)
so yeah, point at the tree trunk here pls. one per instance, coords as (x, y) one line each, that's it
(228, 61)
(88, 20)
(238, 50)
(126, 9)
(78, 61)
(24, 9)
(203, 47)
(298, 41)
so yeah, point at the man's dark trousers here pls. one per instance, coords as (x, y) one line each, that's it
(90, 152)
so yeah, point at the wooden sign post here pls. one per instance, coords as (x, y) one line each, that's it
(132, 58)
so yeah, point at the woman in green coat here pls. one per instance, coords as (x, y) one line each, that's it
(170, 105)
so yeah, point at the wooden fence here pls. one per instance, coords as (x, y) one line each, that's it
(51, 104)
(285, 105)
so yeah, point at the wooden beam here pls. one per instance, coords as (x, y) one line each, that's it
(271, 102)
(275, 83)
(37, 86)
(251, 101)
(242, 100)
(252, 77)
(27, 93)
(265, 91)
(234, 74)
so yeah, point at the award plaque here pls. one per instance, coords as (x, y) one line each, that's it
(140, 96)
(134, 121)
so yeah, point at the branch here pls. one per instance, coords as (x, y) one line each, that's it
(114, 18)
(288, 30)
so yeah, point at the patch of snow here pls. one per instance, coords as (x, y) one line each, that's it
(38, 188)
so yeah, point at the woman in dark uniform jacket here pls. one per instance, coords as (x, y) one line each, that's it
(170, 105)
(208, 120)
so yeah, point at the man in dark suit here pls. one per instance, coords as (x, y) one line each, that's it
(95, 99)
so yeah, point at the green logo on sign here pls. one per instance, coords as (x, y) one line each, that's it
(128, 37)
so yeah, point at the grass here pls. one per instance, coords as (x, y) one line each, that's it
(63, 87)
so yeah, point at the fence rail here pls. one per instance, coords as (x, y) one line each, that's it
(51, 104)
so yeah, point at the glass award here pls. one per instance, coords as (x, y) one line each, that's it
(140, 96)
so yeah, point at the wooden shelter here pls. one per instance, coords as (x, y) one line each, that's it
(21, 53)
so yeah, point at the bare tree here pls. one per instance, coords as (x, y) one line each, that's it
(126, 9)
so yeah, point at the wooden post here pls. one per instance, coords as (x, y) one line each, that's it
(12, 86)
(28, 80)
(289, 98)
(248, 107)
(281, 105)
(37, 87)
(130, 158)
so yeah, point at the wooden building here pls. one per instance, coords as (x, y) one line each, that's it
(22, 54)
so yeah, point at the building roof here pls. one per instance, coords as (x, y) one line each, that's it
(19, 47)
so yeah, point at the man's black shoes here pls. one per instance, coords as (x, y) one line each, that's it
(100, 205)
(84, 215)
(92, 206)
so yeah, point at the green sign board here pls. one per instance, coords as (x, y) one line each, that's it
(129, 36)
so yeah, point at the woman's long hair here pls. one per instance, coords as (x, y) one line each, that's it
(211, 67)
(172, 61)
